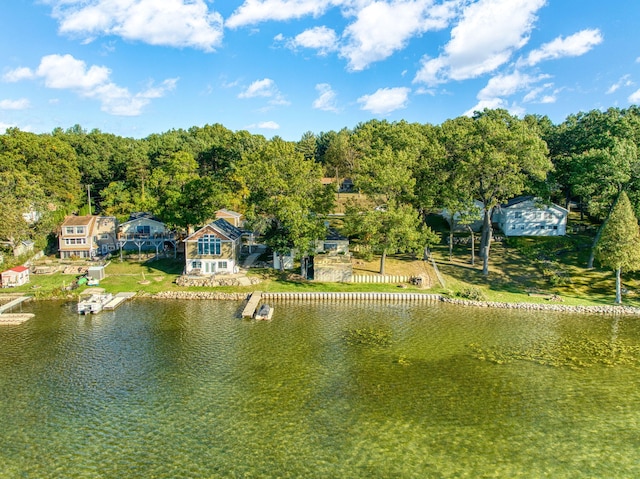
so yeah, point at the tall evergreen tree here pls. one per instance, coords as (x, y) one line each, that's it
(619, 244)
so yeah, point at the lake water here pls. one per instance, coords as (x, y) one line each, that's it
(185, 389)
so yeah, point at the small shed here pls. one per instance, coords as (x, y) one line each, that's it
(15, 277)
(96, 272)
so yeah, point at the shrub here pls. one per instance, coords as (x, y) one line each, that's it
(473, 294)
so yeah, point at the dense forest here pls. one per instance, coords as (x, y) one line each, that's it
(403, 171)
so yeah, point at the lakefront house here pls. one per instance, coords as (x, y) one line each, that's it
(214, 248)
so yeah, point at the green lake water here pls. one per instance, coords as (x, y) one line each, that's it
(185, 389)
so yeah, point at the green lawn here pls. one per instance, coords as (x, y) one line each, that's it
(518, 268)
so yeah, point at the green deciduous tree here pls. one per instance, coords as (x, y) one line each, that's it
(497, 157)
(385, 175)
(619, 244)
(285, 196)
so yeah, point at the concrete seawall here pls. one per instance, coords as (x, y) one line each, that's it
(408, 297)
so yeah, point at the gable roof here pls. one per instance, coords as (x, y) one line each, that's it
(523, 199)
(226, 212)
(221, 226)
(142, 218)
(78, 220)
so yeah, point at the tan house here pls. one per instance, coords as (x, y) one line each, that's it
(76, 238)
(236, 219)
(87, 236)
(214, 248)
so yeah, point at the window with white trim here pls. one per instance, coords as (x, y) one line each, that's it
(209, 244)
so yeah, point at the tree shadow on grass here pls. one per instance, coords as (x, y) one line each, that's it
(165, 265)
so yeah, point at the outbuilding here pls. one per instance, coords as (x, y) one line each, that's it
(16, 276)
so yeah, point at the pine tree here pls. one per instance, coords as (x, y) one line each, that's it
(619, 245)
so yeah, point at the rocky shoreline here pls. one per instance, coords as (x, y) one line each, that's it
(601, 309)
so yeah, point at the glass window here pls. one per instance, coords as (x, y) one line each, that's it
(518, 214)
(222, 265)
(196, 265)
(209, 244)
(69, 230)
(143, 229)
(80, 230)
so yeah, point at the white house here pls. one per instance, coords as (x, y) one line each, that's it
(529, 216)
(14, 277)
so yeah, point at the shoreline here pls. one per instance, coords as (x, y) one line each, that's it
(408, 297)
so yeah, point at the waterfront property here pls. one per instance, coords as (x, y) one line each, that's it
(144, 232)
(13, 277)
(87, 236)
(214, 248)
(529, 216)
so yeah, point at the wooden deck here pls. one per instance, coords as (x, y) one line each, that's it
(14, 318)
(254, 300)
(117, 300)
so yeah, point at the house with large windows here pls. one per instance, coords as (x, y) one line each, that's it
(529, 216)
(214, 248)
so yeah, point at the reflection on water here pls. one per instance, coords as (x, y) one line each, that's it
(183, 389)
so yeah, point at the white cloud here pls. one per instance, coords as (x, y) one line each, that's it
(265, 125)
(507, 85)
(635, 97)
(624, 81)
(65, 72)
(5, 126)
(486, 36)
(176, 23)
(490, 104)
(382, 28)
(385, 100)
(18, 74)
(256, 11)
(260, 88)
(322, 39)
(327, 99)
(378, 28)
(20, 104)
(265, 88)
(572, 46)
(544, 94)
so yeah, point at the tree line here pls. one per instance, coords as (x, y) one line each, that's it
(403, 171)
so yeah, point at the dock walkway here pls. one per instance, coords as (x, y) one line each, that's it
(117, 300)
(14, 302)
(7, 319)
(250, 309)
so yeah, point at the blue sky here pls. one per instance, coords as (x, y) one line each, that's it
(284, 67)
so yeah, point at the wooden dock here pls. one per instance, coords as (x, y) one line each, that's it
(117, 300)
(9, 319)
(250, 309)
(14, 302)
(13, 319)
